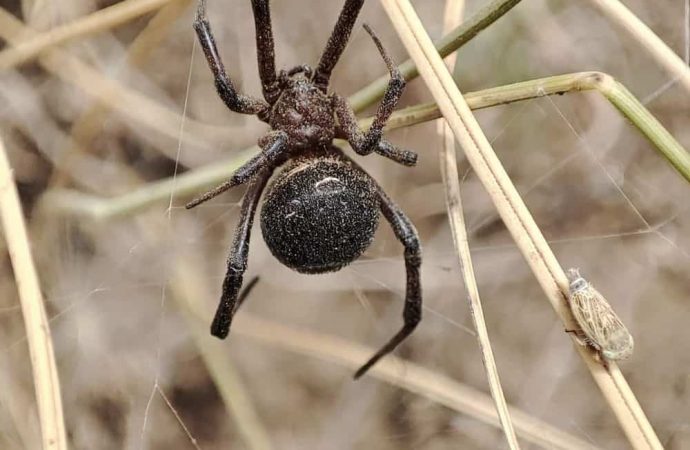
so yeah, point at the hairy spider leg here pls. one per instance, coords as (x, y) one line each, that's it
(365, 143)
(237, 259)
(337, 42)
(348, 129)
(265, 50)
(226, 90)
(273, 147)
(412, 313)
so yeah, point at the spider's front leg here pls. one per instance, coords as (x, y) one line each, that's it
(265, 50)
(349, 129)
(273, 146)
(226, 89)
(412, 314)
(336, 43)
(237, 260)
(371, 141)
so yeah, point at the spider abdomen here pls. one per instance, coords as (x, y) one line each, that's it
(319, 215)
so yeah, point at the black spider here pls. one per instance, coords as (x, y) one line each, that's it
(321, 211)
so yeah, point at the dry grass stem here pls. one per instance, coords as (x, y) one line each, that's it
(99, 21)
(89, 123)
(193, 181)
(661, 52)
(186, 290)
(406, 375)
(187, 295)
(130, 104)
(513, 211)
(449, 171)
(480, 20)
(45, 374)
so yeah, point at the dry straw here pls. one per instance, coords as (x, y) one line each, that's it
(392, 369)
(666, 57)
(45, 372)
(99, 21)
(406, 375)
(128, 103)
(513, 211)
(194, 181)
(449, 170)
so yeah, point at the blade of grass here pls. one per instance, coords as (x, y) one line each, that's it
(187, 295)
(99, 21)
(393, 370)
(449, 171)
(406, 375)
(614, 91)
(128, 103)
(194, 181)
(45, 374)
(667, 58)
(86, 127)
(450, 42)
(514, 213)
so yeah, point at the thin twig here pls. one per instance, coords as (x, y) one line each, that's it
(45, 374)
(661, 52)
(194, 181)
(514, 213)
(449, 170)
(99, 21)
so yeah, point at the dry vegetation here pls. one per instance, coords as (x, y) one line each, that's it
(129, 295)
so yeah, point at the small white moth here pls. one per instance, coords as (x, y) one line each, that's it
(600, 327)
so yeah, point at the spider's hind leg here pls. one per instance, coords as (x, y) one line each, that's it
(412, 313)
(237, 259)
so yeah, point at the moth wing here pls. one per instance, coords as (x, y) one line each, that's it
(582, 305)
(599, 322)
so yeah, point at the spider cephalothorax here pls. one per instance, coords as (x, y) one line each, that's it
(321, 212)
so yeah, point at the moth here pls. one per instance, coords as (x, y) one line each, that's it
(600, 327)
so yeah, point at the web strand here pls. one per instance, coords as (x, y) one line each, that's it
(156, 385)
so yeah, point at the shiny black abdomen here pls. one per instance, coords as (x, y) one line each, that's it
(319, 214)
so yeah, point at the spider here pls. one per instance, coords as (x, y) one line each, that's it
(321, 211)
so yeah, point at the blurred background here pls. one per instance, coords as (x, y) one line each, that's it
(131, 291)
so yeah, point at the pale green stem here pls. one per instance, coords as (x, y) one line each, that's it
(194, 181)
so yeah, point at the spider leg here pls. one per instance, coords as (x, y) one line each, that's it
(412, 314)
(349, 129)
(226, 90)
(237, 260)
(273, 147)
(401, 156)
(337, 42)
(365, 143)
(265, 50)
